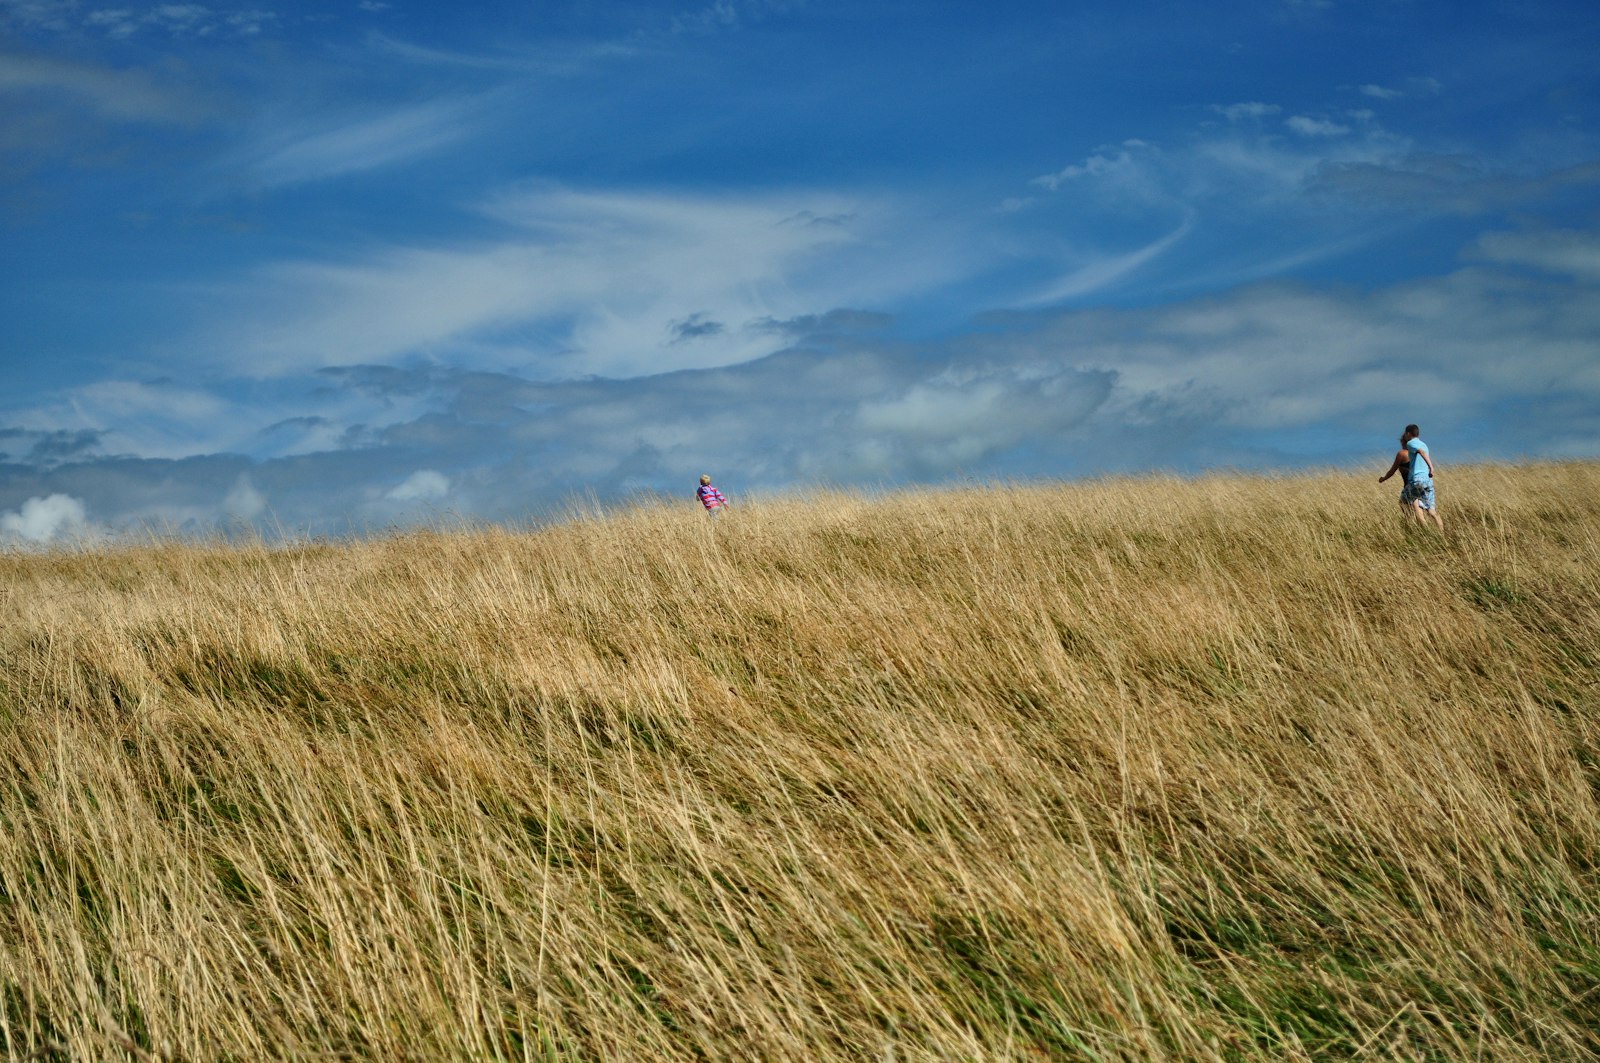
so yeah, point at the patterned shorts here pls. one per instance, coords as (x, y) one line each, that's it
(1420, 493)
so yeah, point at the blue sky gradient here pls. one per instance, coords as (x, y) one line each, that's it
(333, 267)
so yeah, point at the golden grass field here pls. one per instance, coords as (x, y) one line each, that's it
(1232, 768)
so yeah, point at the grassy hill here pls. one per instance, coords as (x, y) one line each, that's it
(1233, 768)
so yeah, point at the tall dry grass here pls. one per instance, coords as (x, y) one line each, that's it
(1146, 769)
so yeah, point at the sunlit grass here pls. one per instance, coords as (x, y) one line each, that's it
(1145, 769)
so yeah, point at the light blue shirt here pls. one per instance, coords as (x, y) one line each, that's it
(1419, 472)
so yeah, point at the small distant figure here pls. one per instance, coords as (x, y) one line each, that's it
(1415, 466)
(714, 500)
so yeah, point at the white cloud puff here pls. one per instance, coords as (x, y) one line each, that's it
(45, 520)
(243, 502)
(1307, 126)
(424, 485)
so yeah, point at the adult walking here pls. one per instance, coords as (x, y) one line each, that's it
(1415, 466)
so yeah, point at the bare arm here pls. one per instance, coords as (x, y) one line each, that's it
(1427, 459)
(1394, 466)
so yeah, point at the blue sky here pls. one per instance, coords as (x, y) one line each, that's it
(334, 267)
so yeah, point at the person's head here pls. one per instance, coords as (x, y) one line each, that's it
(704, 480)
(1409, 434)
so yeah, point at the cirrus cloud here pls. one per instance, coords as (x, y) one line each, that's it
(1560, 251)
(1307, 126)
(584, 283)
(127, 95)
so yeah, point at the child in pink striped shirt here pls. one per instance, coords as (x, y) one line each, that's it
(710, 497)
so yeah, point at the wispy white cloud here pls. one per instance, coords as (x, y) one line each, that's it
(119, 23)
(121, 95)
(1414, 88)
(1229, 166)
(251, 23)
(580, 282)
(422, 54)
(1106, 161)
(115, 21)
(1349, 168)
(172, 421)
(1254, 110)
(1568, 251)
(1441, 184)
(1242, 170)
(296, 155)
(1103, 271)
(565, 59)
(1272, 172)
(150, 419)
(1307, 126)
(50, 15)
(1285, 263)
(722, 15)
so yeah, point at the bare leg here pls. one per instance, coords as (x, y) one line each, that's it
(1438, 522)
(1418, 514)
